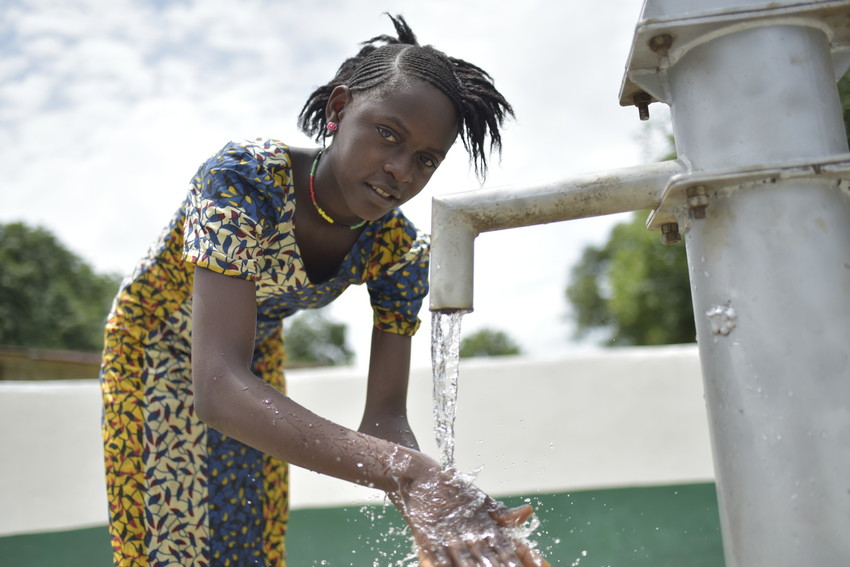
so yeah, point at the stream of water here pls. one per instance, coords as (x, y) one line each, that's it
(445, 356)
(445, 361)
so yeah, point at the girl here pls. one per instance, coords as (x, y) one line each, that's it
(197, 427)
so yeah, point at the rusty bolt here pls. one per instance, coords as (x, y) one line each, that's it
(660, 44)
(697, 201)
(670, 233)
(641, 101)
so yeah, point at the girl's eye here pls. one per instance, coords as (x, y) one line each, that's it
(387, 134)
(428, 161)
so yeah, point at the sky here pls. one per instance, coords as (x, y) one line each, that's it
(108, 108)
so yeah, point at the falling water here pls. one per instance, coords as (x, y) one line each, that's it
(445, 358)
(445, 354)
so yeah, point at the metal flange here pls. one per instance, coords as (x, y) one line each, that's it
(687, 195)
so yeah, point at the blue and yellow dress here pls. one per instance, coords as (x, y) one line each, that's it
(180, 493)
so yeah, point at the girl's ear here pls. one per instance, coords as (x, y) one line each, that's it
(339, 99)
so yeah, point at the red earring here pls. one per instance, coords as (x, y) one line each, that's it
(332, 126)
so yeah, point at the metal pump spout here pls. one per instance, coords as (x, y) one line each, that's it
(457, 219)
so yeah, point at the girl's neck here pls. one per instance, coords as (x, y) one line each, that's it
(323, 246)
(312, 182)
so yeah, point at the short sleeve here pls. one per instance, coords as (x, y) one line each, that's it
(228, 213)
(398, 276)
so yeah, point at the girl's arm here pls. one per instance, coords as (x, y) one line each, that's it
(231, 399)
(452, 521)
(385, 414)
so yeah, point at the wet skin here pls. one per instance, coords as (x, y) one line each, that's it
(385, 151)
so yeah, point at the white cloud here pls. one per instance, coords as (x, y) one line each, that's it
(108, 108)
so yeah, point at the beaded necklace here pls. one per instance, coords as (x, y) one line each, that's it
(319, 209)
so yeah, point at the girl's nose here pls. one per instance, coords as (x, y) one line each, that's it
(400, 167)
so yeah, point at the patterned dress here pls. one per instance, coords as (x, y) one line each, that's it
(181, 493)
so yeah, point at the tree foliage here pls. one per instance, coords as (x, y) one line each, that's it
(49, 297)
(634, 289)
(488, 342)
(314, 339)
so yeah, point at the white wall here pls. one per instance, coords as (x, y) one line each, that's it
(624, 417)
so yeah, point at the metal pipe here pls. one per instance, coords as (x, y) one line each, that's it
(770, 275)
(457, 219)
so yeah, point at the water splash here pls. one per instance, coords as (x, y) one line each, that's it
(445, 359)
(445, 356)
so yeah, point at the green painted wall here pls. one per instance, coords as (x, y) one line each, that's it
(666, 526)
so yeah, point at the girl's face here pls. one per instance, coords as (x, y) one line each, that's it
(388, 145)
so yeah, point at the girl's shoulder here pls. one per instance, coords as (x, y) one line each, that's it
(261, 153)
(396, 233)
(250, 178)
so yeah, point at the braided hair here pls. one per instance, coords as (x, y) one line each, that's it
(481, 109)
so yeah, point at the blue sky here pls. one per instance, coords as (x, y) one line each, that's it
(108, 107)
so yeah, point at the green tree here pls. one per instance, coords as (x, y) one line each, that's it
(634, 289)
(314, 339)
(49, 297)
(488, 342)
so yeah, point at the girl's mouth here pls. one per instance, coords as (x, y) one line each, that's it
(383, 193)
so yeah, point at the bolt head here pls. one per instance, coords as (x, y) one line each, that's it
(698, 200)
(642, 100)
(660, 44)
(670, 233)
(698, 212)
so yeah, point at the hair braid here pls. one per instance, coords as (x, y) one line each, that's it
(481, 109)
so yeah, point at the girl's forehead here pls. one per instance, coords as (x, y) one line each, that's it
(417, 104)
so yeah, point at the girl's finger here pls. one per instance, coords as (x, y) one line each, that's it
(530, 557)
(512, 517)
(424, 560)
(461, 556)
(484, 555)
(506, 558)
(435, 558)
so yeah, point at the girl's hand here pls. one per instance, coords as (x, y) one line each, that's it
(456, 525)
